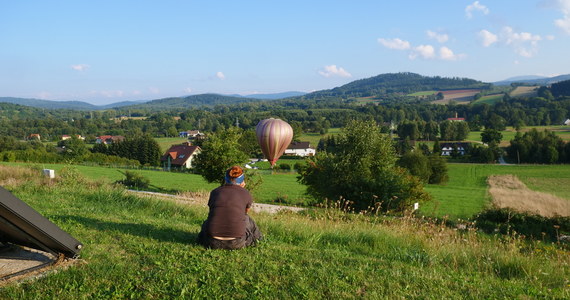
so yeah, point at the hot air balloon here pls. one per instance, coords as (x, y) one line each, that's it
(273, 136)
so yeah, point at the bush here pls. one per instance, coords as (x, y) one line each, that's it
(508, 221)
(285, 166)
(417, 164)
(361, 169)
(134, 180)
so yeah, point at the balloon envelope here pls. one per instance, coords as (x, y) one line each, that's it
(273, 136)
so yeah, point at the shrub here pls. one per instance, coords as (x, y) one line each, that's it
(362, 169)
(134, 180)
(417, 164)
(285, 166)
(508, 221)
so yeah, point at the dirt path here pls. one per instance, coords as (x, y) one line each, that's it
(509, 191)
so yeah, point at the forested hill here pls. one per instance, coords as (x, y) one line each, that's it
(191, 101)
(78, 105)
(401, 83)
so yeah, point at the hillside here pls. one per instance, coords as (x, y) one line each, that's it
(138, 247)
(190, 101)
(396, 83)
(529, 80)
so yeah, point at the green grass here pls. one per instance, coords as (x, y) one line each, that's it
(466, 192)
(145, 249)
(489, 99)
(314, 138)
(423, 93)
(509, 134)
(165, 143)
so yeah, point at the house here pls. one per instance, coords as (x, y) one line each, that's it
(300, 149)
(109, 139)
(448, 148)
(179, 156)
(67, 137)
(456, 119)
(34, 136)
(191, 134)
(567, 122)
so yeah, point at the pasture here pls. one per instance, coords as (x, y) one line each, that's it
(509, 134)
(462, 197)
(489, 99)
(462, 96)
(144, 248)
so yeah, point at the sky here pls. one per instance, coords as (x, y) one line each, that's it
(109, 51)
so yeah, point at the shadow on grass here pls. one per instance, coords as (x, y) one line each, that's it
(139, 229)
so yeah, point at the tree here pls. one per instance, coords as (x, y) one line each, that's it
(491, 135)
(219, 152)
(362, 168)
(438, 169)
(73, 147)
(417, 164)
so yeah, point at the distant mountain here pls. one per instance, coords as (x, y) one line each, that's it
(533, 80)
(275, 96)
(400, 83)
(122, 104)
(77, 105)
(191, 101)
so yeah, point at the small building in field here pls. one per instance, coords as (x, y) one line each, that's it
(448, 148)
(567, 122)
(179, 156)
(35, 136)
(109, 139)
(191, 134)
(456, 119)
(300, 149)
(67, 137)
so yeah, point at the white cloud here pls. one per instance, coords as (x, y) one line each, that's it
(487, 38)
(220, 75)
(516, 62)
(549, 37)
(563, 24)
(423, 51)
(524, 44)
(396, 44)
(446, 54)
(154, 90)
(440, 37)
(80, 67)
(475, 6)
(334, 71)
(188, 90)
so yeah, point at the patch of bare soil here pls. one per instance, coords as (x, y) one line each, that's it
(22, 263)
(509, 191)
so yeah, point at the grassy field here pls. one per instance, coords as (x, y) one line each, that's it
(489, 99)
(462, 197)
(509, 134)
(422, 93)
(165, 143)
(314, 138)
(145, 249)
(466, 192)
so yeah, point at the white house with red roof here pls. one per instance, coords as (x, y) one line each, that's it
(180, 156)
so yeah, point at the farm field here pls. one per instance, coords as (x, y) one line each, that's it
(466, 192)
(509, 134)
(314, 138)
(489, 99)
(165, 142)
(422, 93)
(463, 96)
(524, 91)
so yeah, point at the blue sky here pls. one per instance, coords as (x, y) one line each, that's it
(109, 51)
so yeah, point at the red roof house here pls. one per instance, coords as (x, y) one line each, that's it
(180, 156)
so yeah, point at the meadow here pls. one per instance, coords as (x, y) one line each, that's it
(509, 134)
(145, 248)
(462, 197)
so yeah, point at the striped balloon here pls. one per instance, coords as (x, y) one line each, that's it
(273, 136)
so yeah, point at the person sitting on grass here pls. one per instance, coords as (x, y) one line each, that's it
(228, 225)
